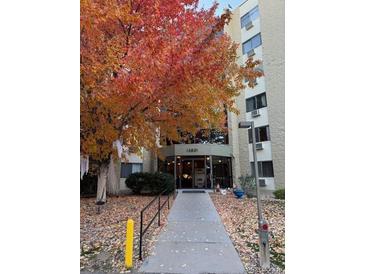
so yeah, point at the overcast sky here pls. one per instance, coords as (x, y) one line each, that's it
(222, 4)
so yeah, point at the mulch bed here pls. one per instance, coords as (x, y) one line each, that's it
(239, 217)
(102, 236)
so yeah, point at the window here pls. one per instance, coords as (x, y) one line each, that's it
(261, 100)
(259, 68)
(203, 136)
(256, 102)
(222, 171)
(265, 169)
(252, 43)
(262, 134)
(250, 104)
(129, 168)
(250, 16)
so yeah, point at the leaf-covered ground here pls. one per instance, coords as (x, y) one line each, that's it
(102, 236)
(239, 217)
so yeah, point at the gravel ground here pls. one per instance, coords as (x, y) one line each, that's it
(239, 217)
(102, 236)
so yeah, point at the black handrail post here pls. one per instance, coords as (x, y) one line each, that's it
(159, 212)
(142, 230)
(140, 236)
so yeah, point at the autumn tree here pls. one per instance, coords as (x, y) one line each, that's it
(152, 67)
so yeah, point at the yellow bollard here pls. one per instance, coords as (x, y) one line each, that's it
(129, 245)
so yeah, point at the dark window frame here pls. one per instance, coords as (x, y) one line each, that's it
(124, 173)
(258, 135)
(255, 98)
(265, 168)
(248, 15)
(250, 40)
(249, 102)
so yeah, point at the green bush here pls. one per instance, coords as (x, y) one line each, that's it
(248, 185)
(279, 194)
(150, 183)
(135, 181)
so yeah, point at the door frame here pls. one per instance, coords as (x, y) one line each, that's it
(193, 159)
(205, 171)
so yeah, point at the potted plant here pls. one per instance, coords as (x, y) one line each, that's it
(238, 190)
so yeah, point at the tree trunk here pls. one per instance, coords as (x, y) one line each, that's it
(113, 181)
(102, 178)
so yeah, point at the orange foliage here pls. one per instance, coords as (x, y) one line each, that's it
(150, 66)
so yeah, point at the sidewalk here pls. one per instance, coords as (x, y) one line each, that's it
(194, 240)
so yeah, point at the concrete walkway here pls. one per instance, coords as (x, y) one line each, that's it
(194, 240)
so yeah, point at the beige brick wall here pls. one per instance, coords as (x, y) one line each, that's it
(147, 161)
(238, 137)
(272, 26)
(272, 15)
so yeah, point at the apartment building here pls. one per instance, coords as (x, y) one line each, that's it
(204, 161)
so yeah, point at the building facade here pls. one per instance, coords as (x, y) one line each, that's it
(204, 162)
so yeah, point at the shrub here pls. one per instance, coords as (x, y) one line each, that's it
(279, 194)
(88, 185)
(135, 181)
(248, 185)
(150, 183)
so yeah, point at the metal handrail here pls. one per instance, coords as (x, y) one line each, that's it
(158, 213)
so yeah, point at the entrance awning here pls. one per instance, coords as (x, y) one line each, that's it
(197, 149)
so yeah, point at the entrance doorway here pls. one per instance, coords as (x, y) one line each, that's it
(186, 174)
(203, 171)
(199, 174)
(192, 173)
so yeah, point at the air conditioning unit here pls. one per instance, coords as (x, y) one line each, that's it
(262, 182)
(251, 53)
(259, 146)
(255, 113)
(248, 25)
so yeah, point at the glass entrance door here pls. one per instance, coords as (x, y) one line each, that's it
(186, 173)
(191, 172)
(199, 173)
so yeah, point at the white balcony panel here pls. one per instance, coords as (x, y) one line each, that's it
(261, 120)
(259, 88)
(262, 155)
(247, 6)
(255, 29)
